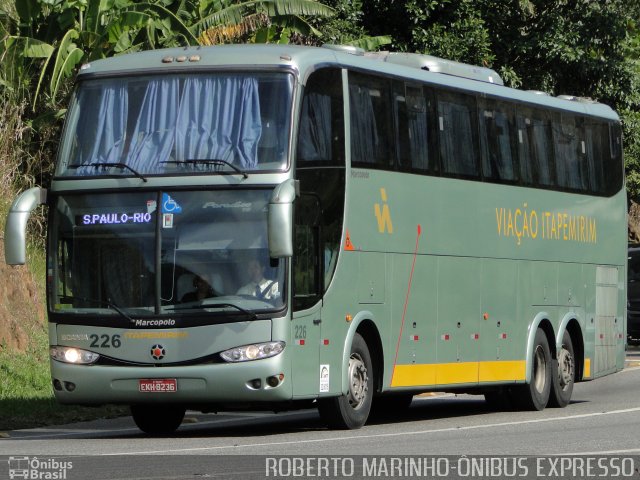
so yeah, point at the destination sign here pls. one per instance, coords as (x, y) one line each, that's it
(114, 218)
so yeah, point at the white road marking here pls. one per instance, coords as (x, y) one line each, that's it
(379, 435)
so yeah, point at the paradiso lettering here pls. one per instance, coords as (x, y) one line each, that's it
(524, 223)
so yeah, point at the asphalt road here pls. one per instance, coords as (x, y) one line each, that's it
(603, 418)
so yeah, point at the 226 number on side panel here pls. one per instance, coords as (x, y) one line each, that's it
(158, 385)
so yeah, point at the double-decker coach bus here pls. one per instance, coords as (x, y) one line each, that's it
(277, 226)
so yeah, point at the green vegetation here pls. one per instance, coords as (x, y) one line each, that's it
(26, 396)
(578, 47)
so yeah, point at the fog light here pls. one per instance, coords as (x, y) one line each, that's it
(273, 381)
(256, 383)
(57, 385)
(70, 386)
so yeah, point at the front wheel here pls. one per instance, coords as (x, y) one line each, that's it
(351, 411)
(157, 419)
(535, 395)
(563, 374)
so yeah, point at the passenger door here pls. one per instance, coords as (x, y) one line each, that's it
(307, 304)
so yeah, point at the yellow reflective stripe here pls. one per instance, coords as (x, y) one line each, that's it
(458, 373)
(410, 375)
(464, 372)
(587, 368)
(498, 371)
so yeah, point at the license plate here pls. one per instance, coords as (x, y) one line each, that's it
(158, 385)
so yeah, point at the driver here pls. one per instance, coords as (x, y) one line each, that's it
(259, 286)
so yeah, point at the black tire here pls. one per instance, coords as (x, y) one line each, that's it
(564, 371)
(535, 395)
(352, 410)
(157, 419)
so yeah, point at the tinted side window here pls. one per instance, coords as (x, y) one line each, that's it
(370, 105)
(569, 152)
(321, 129)
(614, 166)
(596, 139)
(414, 128)
(306, 270)
(535, 147)
(456, 134)
(495, 122)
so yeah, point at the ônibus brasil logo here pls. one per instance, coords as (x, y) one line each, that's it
(36, 468)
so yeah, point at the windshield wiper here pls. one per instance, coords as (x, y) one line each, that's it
(119, 165)
(252, 315)
(109, 304)
(205, 161)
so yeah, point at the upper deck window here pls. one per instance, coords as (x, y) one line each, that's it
(178, 124)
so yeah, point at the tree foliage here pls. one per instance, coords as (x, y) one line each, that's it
(577, 47)
(58, 35)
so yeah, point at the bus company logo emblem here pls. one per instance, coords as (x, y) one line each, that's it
(383, 214)
(158, 352)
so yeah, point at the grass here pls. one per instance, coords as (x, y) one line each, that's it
(26, 394)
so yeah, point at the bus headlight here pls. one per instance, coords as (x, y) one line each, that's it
(73, 355)
(256, 351)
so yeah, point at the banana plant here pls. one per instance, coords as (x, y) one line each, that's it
(57, 36)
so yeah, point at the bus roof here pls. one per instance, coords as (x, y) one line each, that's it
(304, 60)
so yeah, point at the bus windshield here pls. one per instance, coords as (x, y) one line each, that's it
(156, 253)
(178, 124)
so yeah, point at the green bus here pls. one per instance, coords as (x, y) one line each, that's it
(278, 227)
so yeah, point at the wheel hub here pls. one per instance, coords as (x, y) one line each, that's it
(358, 381)
(539, 369)
(565, 367)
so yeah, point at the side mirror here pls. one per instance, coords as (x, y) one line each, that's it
(280, 219)
(16, 226)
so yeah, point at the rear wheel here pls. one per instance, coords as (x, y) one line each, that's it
(352, 410)
(157, 419)
(564, 374)
(535, 395)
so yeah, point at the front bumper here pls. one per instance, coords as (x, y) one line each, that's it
(198, 384)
